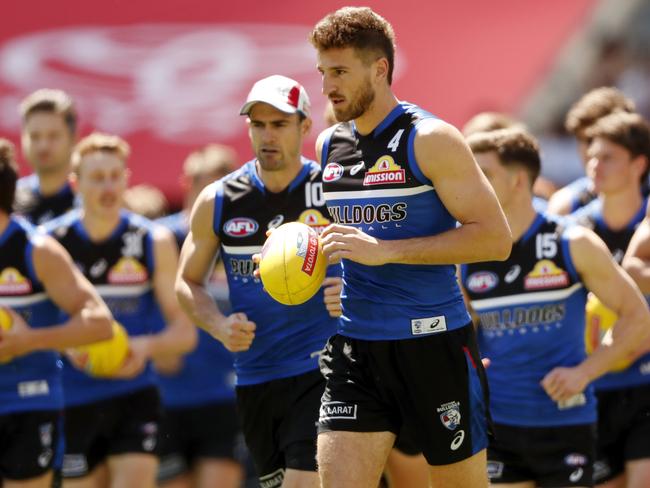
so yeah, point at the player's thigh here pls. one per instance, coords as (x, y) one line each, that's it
(404, 471)
(468, 472)
(42, 481)
(637, 473)
(183, 480)
(133, 470)
(294, 478)
(352, 459)
(217, 473)
(97, 478)
(618, 482)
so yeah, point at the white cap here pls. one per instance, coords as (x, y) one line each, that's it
(283, 93)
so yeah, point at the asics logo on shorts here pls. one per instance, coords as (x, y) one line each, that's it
(457, 441)
(576, 475)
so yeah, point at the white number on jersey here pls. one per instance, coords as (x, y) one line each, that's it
(394, 142)
(314, 195)
(545, 246)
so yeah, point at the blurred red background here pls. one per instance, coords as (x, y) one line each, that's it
(170, 76)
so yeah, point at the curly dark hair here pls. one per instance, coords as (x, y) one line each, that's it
(360, 28)
(594, 105)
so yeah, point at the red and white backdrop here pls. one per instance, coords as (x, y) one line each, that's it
(170, 75)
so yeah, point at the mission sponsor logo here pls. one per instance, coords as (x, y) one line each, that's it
(314, 219)
(332, 172)
(127, 271)
(384, 172)
(546, 274)
(482, 281)
(14, 283)
(240, 227)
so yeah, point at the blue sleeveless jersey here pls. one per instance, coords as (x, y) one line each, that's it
(374, 183)
(207, 373)
(33, 381)
(532, 319)
(40, 209)
(121, 269)
(638, 373)
(288, 339)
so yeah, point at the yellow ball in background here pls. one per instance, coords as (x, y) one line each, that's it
(104, 358)
(598, 330)
(6, 321)
(292, 265)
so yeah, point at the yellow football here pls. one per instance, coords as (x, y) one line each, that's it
(598, 330)
(5, 324)
(104, 358)
(292, 265)
(5, 319)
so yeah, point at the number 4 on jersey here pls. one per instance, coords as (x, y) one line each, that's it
(394, 142)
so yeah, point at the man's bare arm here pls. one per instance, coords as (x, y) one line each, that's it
(616, 290)
(197, 258)
(90, 319)
(637, 257)
(483, 235)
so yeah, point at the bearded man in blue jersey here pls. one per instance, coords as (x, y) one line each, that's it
(397, 180)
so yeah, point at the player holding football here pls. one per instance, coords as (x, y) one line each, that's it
(36, 276)
(396, 180)
(277, 347)
(531, 311)
(111, 425)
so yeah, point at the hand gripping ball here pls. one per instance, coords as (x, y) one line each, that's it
(292, 266)
(104, 358)
(598, 330)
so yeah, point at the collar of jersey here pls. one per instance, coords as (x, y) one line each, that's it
(302, 174)
(65, 190)
(11, 228)
(389, 119)
(124, 221)
(600, 221)
(539, 220)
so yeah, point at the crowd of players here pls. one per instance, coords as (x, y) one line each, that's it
(73, 256)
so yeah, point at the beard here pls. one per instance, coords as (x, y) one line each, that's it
(359, 104)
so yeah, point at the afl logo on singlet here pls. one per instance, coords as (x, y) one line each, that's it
(332, 172)
(240, 227)
(482, 281)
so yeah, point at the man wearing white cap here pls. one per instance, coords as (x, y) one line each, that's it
(276, 347)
